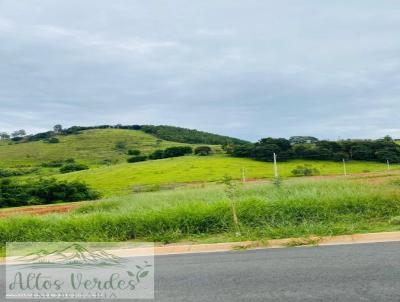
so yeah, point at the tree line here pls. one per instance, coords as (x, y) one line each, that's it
(170, 133)
(43, 191)
(381, 150)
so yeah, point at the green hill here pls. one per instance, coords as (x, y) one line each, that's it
(105, 150)
(91, 147)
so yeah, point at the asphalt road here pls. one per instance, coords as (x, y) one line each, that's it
(365, 272)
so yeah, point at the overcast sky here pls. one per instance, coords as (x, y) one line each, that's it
(246, 68)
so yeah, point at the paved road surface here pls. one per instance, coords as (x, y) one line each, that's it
(367, 272)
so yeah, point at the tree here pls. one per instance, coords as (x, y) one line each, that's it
(158, 154)
(177, 151)
(57, 128)
(265, 152)
(73, 167)
(18, 133)
(136, 159)
(134, 152)
(202, 150)
(4, 135)
(303, 140)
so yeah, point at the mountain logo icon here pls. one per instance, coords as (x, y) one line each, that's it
(74, 255)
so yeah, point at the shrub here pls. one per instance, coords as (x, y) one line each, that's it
(107, 162)
(202, 150)
(72, 167)
(19, 172)
(136, 159)
(53, 140)
(158, 154)
(395, 220)
(306, 170)
(44, 191)
(134, 152)
(177, 151)
(57, 163)
(120, 145)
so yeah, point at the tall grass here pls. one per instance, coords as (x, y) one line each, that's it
(298, 209)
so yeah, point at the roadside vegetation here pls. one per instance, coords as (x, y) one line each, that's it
(293, 209)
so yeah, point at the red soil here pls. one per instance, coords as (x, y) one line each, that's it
(39, 210)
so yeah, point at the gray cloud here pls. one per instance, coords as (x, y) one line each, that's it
(243, 68)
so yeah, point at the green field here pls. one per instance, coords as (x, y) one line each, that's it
(122, 179)
(297, 208)
(90, 147)
(189, 202)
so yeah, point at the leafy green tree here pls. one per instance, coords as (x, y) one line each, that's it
(58, 128)
(202, 150)
(4, 135)
(136, 159)
(177, 151)
(134, 152)
(72, 167)
(18, 133)
(158, 154)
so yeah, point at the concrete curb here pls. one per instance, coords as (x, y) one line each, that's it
(279, 243)
(175, 249)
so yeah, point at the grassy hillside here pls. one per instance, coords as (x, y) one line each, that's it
(90, 146)
(124, 177)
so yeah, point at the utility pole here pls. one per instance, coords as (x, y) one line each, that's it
(275, 167)
(243, 174)
(344, 167)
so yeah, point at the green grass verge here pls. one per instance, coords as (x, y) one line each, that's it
(121, 179)
(298, 208)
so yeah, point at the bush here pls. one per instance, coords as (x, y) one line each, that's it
(177, 151)
(202, 150)
(72, 167)
(395, 220)
(53, 140)
(158, 154)
(120, 145)
(57, 163)
(306, 170)
(19, 172)
(44, 191)
(134, 152)
(136, 159)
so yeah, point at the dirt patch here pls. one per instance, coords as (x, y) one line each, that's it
(39, 210)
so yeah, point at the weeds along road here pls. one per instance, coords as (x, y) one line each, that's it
(361, 272)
